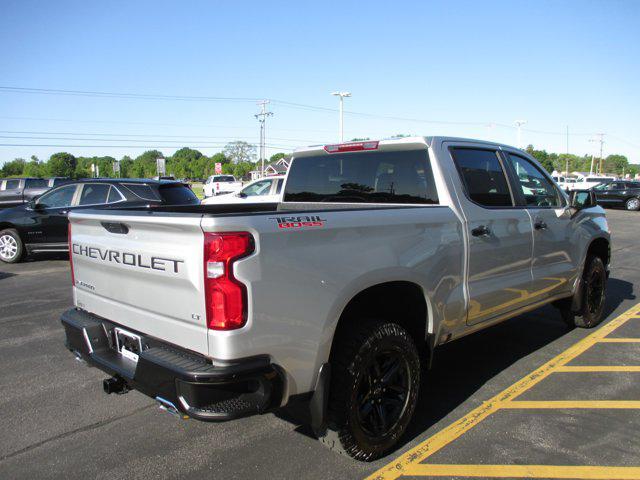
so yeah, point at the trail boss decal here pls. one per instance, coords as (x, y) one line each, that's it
(299, 222)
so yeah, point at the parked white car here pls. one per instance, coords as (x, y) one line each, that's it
(221, 184)
(264, 190)
(585, 183)
(565, 183)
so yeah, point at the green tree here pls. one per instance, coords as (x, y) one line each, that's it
(126, 166)
(242, 169)
(34, 168)
(186, 162)
(277, 156)
(240, 151)
(145, 166)
(543, 157)
(14, 168)
(61, 164)
(615, 164)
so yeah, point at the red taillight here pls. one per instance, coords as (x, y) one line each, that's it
(225, 296)
(351, 147)
(73, 277)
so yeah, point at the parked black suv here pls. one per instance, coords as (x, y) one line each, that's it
(16, 191)
(41, 224)
(619, 193)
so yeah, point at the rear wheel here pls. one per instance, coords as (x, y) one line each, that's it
(374, 389)
(594, 288)
(632, 204)
(11, 247)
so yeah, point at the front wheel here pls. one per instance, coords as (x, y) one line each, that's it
(632, 204)
(594, 289)
(11, 247)
(374, 389)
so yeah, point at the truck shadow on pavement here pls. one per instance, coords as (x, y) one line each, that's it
(462, 367)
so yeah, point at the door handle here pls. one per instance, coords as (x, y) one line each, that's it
(540, 225)
(481, 231)
(63, 212)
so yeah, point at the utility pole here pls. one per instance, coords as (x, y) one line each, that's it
(519, 123)
(567, 162)
(601, 135)
(342, 96)
(262, 117)
(601, 141)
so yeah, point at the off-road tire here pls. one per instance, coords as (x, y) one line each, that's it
(356, 360)
(11, 246)
(594, 289)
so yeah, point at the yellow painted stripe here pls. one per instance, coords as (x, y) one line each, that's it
(598, 368)
(619, 340)
(526, 471)
(572, 404)
(420, 452)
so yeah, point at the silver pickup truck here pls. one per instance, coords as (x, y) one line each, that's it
(337, 296)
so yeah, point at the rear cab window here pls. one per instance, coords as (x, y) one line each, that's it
(395, 177)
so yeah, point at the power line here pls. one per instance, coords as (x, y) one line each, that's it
(121, 122)
(89, 93)
(135, 135)
(282, 103)
(282, 147)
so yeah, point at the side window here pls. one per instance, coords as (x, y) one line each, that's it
(279, 185)
(114, 195)
(36, 183)
(483, 177)
(58, 198)
(258, 188)
(94, 194)
(12, 184)
(536, 188)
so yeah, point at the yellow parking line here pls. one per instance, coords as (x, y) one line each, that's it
(619, 340)
(598, 368)
(526, 471)
(571, 404)
(419, 453)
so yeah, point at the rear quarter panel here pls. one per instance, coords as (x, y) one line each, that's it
(300, 280)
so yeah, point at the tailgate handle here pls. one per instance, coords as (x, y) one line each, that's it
(120, 228)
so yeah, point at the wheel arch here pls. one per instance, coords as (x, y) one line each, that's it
(600, 247)
(401, 301)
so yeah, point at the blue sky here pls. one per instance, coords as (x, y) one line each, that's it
(460, 68)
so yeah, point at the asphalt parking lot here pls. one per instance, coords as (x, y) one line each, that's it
(527, 398)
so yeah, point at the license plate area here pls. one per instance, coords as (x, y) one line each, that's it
(128, 344)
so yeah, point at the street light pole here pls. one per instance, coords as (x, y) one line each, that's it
(519, 123)
(342, 95)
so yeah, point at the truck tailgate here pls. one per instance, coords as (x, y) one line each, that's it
(142, 271)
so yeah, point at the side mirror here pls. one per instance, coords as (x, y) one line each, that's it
(581, 199)
(34, 205)
(241, 195)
